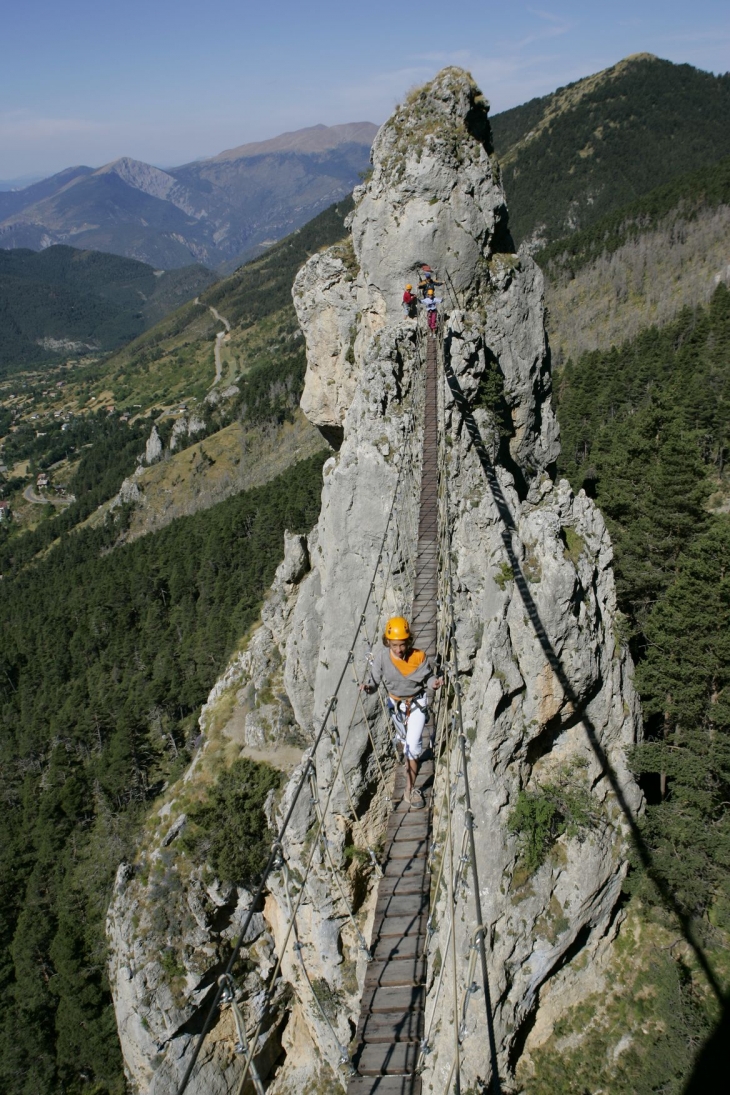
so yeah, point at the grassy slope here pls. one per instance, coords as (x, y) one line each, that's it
(594, 146)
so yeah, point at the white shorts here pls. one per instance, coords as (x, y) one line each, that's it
(411, 734)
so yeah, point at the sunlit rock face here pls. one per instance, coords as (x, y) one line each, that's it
(547, 684)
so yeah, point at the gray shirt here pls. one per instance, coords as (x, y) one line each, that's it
(403, 687)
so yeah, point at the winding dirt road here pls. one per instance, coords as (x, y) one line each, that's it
(218, 340)
(30, 496)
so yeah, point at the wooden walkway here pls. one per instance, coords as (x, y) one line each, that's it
(393, 1000)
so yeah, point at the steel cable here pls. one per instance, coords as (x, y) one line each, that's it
(278, 843)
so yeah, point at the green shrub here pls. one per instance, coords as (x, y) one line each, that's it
(229, 830)
(540, 817)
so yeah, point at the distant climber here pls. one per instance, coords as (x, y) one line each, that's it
(427, 281)
(431, 303)
(410, 302)
(410, 680)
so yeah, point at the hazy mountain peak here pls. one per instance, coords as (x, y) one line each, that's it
(315, 138)
(142, 176)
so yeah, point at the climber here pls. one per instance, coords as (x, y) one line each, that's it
(431, 303)
(410, 300)
(410, 679)
(427, 281)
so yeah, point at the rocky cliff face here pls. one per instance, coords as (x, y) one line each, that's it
(547, 684)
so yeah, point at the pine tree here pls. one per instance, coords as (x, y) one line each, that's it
(685, 687)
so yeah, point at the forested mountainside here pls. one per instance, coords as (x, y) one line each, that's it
(592, 147)
(106, 659)
(62, 301)
(110, 650)
(645, 432)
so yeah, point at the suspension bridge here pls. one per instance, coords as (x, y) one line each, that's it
(425, 866)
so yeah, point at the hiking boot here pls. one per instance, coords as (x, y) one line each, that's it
(416, 799)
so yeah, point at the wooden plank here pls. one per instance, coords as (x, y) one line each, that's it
(391, 1014)
(412, 924)
(387, 998)
(397, 948)
(405, 868)
(391, 1027)
(414, 883)
(399, 971)
(385, 1085)
(408, 849)
(401, 905)
(383, 1058)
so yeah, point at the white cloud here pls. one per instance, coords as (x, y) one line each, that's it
(556, 26)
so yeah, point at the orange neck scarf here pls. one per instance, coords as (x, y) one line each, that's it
(408, 665)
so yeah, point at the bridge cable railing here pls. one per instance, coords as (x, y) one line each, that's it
(384, 586)
(451, 738)
(339, 748)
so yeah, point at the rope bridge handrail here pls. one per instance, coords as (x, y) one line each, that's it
(409, 465)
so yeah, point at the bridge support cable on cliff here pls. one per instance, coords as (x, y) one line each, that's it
(393, 573)
(454, 854)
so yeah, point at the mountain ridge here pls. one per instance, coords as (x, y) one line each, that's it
(216, 211)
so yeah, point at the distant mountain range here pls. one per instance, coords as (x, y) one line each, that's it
(62, 302)
(219, 212)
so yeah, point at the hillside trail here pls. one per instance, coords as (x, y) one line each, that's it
(218, 340)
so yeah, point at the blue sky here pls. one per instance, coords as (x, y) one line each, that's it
(167, 81)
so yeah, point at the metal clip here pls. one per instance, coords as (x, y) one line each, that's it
(345, 1062)
(227, 988)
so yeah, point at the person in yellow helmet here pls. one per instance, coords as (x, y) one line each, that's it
(410, 679)
(410, 301)
(428, 281)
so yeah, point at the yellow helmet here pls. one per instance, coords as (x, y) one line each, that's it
(397, 628)
(409, 287)
(430, 292)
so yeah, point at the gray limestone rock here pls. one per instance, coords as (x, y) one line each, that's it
(153, 448)
(535, 628)
(326, 308)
